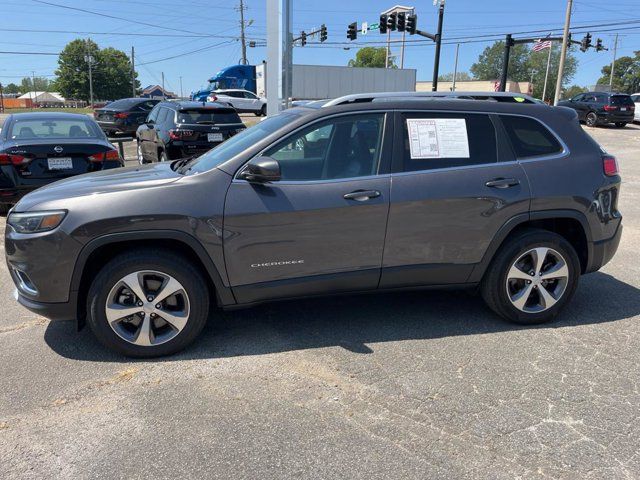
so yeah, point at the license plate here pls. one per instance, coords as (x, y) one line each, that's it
(214, 137)
(623, 109)
(60, 163)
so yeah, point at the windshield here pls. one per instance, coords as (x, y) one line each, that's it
(52, 128)
(196, 116)
(241, 142)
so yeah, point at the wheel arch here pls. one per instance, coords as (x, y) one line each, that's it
(570, 224)
(100, 250)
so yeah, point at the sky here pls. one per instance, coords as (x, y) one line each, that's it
(166, 32)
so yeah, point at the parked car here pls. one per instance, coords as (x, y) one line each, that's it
(243, 101)
(513, 199)
(181, 129)
(636, 100)
(40, 148)
(125, 115)
(599, 108)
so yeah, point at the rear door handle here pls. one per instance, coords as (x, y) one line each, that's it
(362, 195)
(503, 183)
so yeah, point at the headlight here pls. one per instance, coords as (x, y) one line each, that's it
(34, 222)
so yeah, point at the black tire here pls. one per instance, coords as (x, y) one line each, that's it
(621, 124)
(494, 284)
(4, 209)
(157, 260)
(591, 119)
(263, 111)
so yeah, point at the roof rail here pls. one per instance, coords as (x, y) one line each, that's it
(386, 96)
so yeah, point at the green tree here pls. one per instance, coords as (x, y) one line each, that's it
(460, 77)
(572, 91)
(36, 84)
(626, 75)
(111, 72)
(525, 64)
(371, 57)
(489, 64)
(12, 88)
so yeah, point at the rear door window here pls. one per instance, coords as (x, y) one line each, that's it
(444, 140)
(208, 116)
(529, 137)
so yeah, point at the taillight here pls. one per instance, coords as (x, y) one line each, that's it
(610, 165)
(179, 134)
(610, 108)
(121, 115)
(213, 98)
(108, 155)
(8, 159)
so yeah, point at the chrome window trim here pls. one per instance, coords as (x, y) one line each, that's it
(318, 120)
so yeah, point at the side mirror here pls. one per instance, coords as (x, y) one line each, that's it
(261, 170)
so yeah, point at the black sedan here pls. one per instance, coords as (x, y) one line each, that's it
(39, 148)
(124, 115)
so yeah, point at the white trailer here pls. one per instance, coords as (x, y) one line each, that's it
(318, 82)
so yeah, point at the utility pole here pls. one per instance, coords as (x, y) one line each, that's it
(242, 36)
(89, 59)
(455, 68)
(436, 62)
(33, 81)
(164, 96)
(133, 73)
(563, 52)
(546, 75)
(181, 96)
(613, 63)
(1, 100)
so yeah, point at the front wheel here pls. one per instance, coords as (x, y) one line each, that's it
(148, 303)
(592, 119)
(620, 124)
(532, 277)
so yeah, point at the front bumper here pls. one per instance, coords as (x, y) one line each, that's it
(52, 311)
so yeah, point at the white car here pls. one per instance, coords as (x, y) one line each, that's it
(636, 99)
(243, 101)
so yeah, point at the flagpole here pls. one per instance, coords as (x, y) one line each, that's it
(546, 77)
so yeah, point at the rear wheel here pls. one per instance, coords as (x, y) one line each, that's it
(148, 303)
(532, 277)
(592, 119)
(621, 124)
(263, 111)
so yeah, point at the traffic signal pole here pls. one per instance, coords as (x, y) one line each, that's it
(436, 61)
(508, 43)
(563, 52)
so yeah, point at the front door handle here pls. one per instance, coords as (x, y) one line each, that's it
(503, 182)
(362, 195)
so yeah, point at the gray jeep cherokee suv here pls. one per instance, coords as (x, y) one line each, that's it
(367, 194)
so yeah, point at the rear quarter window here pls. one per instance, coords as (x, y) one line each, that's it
(530, 138)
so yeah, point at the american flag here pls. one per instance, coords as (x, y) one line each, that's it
(541, 45)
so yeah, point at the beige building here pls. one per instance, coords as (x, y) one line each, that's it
(476, 86)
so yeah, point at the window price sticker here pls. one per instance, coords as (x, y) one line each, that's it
(438, 138)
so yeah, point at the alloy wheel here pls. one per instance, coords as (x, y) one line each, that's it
(147, 308)
(592, 119)
(537, 280)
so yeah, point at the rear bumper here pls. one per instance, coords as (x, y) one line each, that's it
(108, 127)
(616, 117)
(604, 251)
(52, 311)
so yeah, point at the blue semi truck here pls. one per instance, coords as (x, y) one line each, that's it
(235, 76)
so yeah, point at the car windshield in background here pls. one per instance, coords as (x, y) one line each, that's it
(242, 141)
(212, 116)
(44, 128)
(123, 104)
(621, 100)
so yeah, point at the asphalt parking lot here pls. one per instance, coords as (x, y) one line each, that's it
(413, 385)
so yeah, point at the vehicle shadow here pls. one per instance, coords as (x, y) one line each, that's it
(357, 323)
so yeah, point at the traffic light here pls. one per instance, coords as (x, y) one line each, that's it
(323, 33)
(599, 46)
(586, 43)
(303, 38)
(352, 32)
(392, 21)
(402, 21)
(382, 25)
(412, 24)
